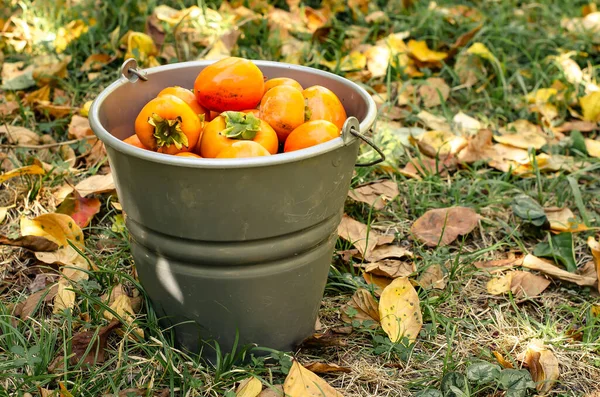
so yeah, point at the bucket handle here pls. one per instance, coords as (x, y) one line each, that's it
(130, 71)
(351, 131)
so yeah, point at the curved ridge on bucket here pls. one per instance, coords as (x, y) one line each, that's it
(158, 82)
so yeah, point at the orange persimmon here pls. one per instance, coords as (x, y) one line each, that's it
(283, 108)
(243, 149)
(310, 134)
(323, 104)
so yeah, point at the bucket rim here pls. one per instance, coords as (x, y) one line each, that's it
(281, 158)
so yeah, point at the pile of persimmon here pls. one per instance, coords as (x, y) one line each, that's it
(233, 112)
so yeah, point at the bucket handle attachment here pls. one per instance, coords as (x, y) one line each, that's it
(350, 131)
(130, 71)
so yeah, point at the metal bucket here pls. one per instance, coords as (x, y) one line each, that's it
(228, 246)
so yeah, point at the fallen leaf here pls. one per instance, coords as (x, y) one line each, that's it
(593, 147)
(326, 339)
(433, 277)
(470, 69)
(139, 46)
(400, 312)
(501, 360)
(33, 243)
(63, 391)
(529, 210)
(22, 171)
(577, 125)
(79, 127)
(547, 267)
(95, 62)
(363, 307)
(58, 228)
(81, 209)
(463, 40)
(82, 340)
(249, 387)
(387, 251)
(66, 34)
(443, 225)
(595, 248)
(590, 23)
(482, 51)
(28, 306)
(479, 147)
(272, 391)
(300, 382)
(563, 220)
(96, 184)
(379, 283)
(390, 268)
(498, 265)
(436, 123)
(122, 306)
(543, 366)
(65, 297)
(17, 77)
(46, 392)
(353, 61)
(3, 213)
(500, 285)
(559, 247)
(50, 69)
(542, 95)
(420, 167)
(440, 143)
(376, 194)
(434, 92)
(20, 135)
(420, 51)
(527, 285)
(378, 58)
(521, 134)
(325, 368)
(360, 236)
(466, 124)
(590, 105)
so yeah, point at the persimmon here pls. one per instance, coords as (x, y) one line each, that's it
(231, 127)
(310, 134)
(283, 108)
(282, 81)
(243, 149)
(168, 125)
(186, 96)
(323, 104)
(255, 112)
(134, 141)
(188, 154)
(229, 84)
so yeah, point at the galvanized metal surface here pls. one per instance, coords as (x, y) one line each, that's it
(232, 244)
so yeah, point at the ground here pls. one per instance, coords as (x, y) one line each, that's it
(467, 72)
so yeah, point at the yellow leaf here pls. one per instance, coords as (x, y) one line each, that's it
(482, 51)
(122, 306)
(65, 297)
(65, 35)
(353, 61)
(27, 170)
(42, 94)
(95, 62)
(58, 228)
(563, 220)
(442, 143)
(593, 147)
(300, 382)
(218, 51)
(139, 46)
(543, 95)
(590, 105)
(63, 390)
(500, 285)
(249, 387)
(521, 134)
(420, 51)
(399, 310)
(595, 248)
(543, 366)
(85, 109)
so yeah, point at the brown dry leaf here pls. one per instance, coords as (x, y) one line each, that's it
(400, 311)
(79, 127)
(433, 277)
(521, 134)
(34, 169)
(96, 184)
(466, 124)
(443, 225)
(577, 125)
(366, 306)
(434, 92)
(249, 387)
(498, 265)
(418, 167)
(440, 143)
(375, 194)
(55, 111)
(82, 340)
(479, 147)
(547, 267)
(463, 40)
(470, 69)
(300, 382)
(33, 243)
(360, 236)
(501, 360)
(527, 285)
(499, 285)
(122, 306)
(96, 62)
(379, 283)
(595, 248)
(42, 94)
(387, 251)
(436, 123)
(563, 220)
(49, 70)
(420, 51)
(543, 366)
(390, 268)
(47, 392)
(272, 391)
(325, 368)
(26, 308)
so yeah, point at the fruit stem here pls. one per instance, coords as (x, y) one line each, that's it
(168, 131)
(240, 125)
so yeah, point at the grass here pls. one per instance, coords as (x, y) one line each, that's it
(463, 323)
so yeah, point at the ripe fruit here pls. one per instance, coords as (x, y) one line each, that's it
(229, 84)
(188, 154)
(135, 141)
(243, 149)
(282, 81)
(186, 96)
(323, 104)
(283, 108)
(310, 134)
